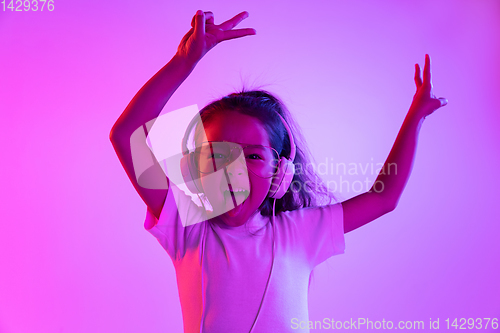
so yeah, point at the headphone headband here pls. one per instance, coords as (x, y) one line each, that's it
(194, 121)
(290, 136)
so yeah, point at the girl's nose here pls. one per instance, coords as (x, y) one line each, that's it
(237, 168)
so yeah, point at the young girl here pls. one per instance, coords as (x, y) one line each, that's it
(244, 264)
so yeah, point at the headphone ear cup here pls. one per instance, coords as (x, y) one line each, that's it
(283, 178)
(190, 173)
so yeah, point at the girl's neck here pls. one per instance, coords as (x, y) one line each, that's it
(253, 223)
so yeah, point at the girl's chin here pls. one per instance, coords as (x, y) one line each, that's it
(235, 217)
(235, 211)
(236, 221)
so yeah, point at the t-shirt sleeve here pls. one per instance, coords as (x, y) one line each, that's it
(319, 231)
(179, 223)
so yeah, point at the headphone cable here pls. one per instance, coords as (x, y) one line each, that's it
(268, 279)
(270, 271)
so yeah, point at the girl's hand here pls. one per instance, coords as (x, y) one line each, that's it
(424, 102)
(204, 34)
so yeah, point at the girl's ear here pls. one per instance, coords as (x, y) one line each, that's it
(199, 185)
(190, 174)
(196, 177)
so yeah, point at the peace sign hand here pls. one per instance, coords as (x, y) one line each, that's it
(204, 34)
(424, 102)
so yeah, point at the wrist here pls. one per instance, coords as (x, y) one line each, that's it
(417, 113)
(184, 61)
(414, 119)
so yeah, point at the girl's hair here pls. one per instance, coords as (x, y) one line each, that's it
(307, 188)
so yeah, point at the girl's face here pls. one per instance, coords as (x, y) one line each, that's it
(244, 130)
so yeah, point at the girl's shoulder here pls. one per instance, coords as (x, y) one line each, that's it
(317, 232)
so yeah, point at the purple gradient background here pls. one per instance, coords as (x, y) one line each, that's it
(74, 256)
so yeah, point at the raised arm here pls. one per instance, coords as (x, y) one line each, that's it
(152, 97)
(384, 195)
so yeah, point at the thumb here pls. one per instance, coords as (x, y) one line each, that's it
(436, 103)
(443, 101)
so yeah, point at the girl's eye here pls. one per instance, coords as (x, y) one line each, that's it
(254, 157)
(217, 156)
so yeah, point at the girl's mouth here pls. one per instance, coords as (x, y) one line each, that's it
(234, 199)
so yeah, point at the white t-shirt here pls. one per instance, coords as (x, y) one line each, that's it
(237, 260)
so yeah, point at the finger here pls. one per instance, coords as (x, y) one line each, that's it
(231, 34)
(199, 24)
(427, 70)
(231, 23)
(418, 78)
(443, 101)
(209, 18)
